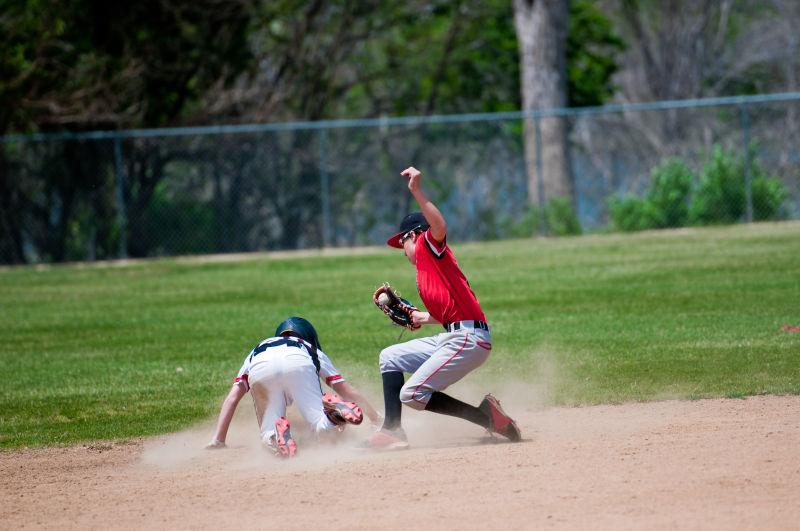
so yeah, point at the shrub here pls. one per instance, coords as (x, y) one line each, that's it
(561, 218)
(769, 193)
(666, 203)
(670, 191)
(524, 226)
(720, 197)
(629, 213)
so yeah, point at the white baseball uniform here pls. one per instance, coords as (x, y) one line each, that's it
(281, 370)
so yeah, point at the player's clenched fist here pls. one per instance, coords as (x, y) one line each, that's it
(413, 175)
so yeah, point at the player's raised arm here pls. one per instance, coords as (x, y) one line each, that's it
(429, 210)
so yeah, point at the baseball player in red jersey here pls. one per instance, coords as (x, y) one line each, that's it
(438, 361)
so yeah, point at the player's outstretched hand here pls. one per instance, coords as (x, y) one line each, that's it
(215, 445)
(414, 176)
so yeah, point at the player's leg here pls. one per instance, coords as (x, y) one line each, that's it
(394, 361)
(267, 388)
(457, 355)
(302, 381)
(488, 414)
(269, 402)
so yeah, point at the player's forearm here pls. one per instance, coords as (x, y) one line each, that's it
(423, 318)
(369, 411)
(226, 414)
(224, 421)
(432, 215)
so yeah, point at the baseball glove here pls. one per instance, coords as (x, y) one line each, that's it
(394, 306)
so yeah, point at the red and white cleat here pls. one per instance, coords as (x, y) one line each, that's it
(499, 421)
(281, 442)
(386, 440)
(341, 412)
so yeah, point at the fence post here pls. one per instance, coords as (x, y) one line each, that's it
(324, 190)
(744, 116)
(122, 219)
(539, 174)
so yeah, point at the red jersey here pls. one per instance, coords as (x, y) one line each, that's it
(442, 286)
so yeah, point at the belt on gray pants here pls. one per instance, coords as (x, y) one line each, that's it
(458, 325)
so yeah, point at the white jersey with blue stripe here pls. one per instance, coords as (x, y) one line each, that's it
(288, 345)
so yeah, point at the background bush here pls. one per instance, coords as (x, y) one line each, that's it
(719, 196)
(561, 218)
(668, 199)
(665, 205)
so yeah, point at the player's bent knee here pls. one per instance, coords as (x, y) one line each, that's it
(411, 397)
(387, 361)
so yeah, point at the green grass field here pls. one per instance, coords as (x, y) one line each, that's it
(117, 351)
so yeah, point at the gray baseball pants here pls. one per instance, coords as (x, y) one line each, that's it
(436, 362)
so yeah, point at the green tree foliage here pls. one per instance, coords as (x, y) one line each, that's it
(89, 64)
(316, 59)
(24, 29)
(592, 47)
(463, 56)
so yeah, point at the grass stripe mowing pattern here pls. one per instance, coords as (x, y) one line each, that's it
(93, 352)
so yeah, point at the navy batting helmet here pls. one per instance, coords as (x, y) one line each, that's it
(414, 221)
(299, 327)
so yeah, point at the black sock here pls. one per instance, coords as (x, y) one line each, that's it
(447, 405)
(392, 384)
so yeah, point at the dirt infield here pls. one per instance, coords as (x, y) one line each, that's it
(721, 464)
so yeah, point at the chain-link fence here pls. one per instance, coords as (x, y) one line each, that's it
(225, 189)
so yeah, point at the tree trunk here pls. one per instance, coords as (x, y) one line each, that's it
(542, 37)
(11, 249)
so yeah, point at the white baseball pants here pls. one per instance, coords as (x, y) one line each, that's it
(280, 378)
